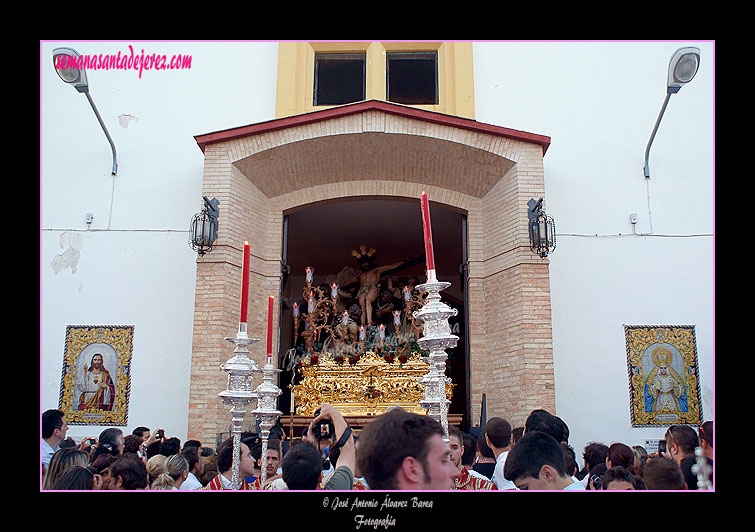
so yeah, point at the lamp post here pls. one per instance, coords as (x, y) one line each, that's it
(68, 65)
(681, 69)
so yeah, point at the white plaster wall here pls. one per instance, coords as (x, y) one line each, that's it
(133, 265)
(598, 101)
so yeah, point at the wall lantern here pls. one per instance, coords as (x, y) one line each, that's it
(203, 230)
(681, 69)
(542, 229)
(69, 66)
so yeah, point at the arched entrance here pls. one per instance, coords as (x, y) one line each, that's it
(267, 175)
(322, 235)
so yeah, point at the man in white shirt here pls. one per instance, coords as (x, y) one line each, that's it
(537, 463)
(54, 427)
(195, 469)
(498, 438)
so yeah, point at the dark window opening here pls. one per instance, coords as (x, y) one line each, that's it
(412, 78)
(339, 78)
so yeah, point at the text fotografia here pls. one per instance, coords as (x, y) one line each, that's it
(125, 61)
(358, 504)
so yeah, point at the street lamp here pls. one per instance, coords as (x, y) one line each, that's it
(542, 229)
(68, 65)
(681, 69)
(203, 230)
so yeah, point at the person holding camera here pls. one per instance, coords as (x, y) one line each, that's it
(302, 464)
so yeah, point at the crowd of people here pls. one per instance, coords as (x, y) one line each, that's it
(398, 450)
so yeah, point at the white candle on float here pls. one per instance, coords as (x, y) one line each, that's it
(345, 319)
(310, 272)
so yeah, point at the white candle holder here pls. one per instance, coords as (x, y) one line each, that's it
(437, 338)
(239, 392)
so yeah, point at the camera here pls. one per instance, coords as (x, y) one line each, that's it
(323, 429)
(160, 434)
(91, 441)
(661, 446)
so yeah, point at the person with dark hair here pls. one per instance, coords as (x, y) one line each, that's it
(223, 480)
(78, 478)
(705, 432)
(195, 467)
(299, 462)
(470, 451)
(54, 427)
(191, 443)
(466, 480)
(516, 434)
(101, 466)
(681, 441)
(302, 467)
(594, 480)
(622, 455)
(271, 467)
(537, 463)
(400, 450)
(128, 472)
(564, 430)
(663, 473)
(593, 454)
(619, 478)
(498, 438)
(132, 444)
(570, 461)
(170, 446)
(141, 432)
(485, 458)
(543, 421)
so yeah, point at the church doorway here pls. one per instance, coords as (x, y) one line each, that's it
(322, 236)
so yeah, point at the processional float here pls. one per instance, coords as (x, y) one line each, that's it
(239, 393)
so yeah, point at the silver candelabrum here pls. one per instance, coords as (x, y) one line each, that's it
(437, 338)
(266, 412)
(239, 393)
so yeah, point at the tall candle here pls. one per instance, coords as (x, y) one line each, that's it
(245, 285)
(428, 230)
(334, 291)
(361, 332)
(269, 328)
(296, 310)
(345, 319)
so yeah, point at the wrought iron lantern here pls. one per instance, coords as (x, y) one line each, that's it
(542, 229)
(203, 230)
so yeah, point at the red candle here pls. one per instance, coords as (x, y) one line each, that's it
(269, 326)
(428, 234)
(245, 285)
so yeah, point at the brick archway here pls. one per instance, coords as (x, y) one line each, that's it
(375, 149)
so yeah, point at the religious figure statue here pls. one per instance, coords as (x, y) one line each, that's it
(664, 388)
(369, 278)
(96, 386)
